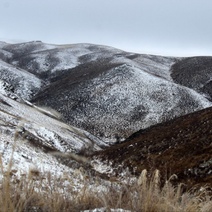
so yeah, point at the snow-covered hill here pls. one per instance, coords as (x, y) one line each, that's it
(22, 83)
(121, 101)
(43, 126)
(195, 73)
(61, 103)
(33, 133)
(105, 91)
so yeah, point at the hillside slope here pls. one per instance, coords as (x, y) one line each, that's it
(181, 146)
(119, 101)
(104, 95)
(195, 73)
(33, 133)
(105, 91)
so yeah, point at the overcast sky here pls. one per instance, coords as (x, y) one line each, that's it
(165, 27)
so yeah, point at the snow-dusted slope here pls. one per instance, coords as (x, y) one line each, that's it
(23, 83)
(21, 49)
(195, 73)
(43, 127)
(121, 101)
(27, 157)
(106, 91)
(50, 61)
(29, 138)
(2, 44)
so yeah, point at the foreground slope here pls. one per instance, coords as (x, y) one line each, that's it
(33, 133)
(182, 146)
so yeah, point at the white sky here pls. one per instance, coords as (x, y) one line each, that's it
(165, 27)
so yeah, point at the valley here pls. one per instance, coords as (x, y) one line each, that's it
(105, 113)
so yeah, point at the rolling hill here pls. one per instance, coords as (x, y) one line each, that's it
(179, 147)
(81, 98)
(106, 91)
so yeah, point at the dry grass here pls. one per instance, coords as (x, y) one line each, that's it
(39, 192)
(35, 192)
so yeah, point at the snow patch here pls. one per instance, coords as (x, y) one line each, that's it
(25, 84)
(105, 209)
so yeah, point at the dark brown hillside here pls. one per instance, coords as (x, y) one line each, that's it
(182, 146)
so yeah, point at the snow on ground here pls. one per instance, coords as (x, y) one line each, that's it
(46, 46)
(155, 65)
(5, 54)
(117, 172)
(130, 99)
(2, 44)
(32, 46)
(2, 88)
(137, 94)
(58, 58)
(105, 209)
(26, 157)
(101, 167)
(69, 57)
(18, 120)
(45, 59)
(24, 83)
(64, 57)
(28, 160)
(54, 132)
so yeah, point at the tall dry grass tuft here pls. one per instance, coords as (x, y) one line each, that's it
(37, 192)
(148, 195)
